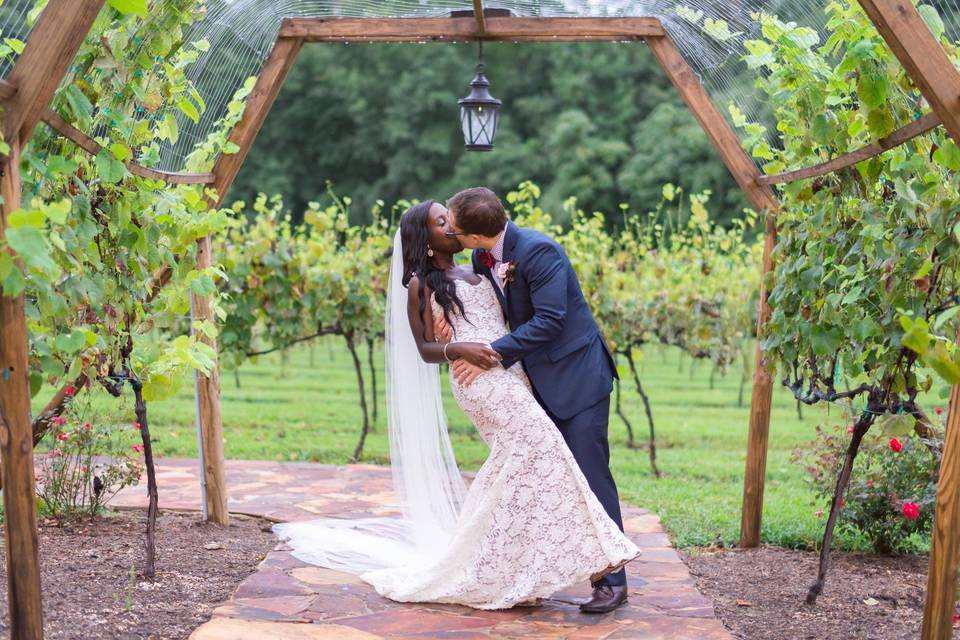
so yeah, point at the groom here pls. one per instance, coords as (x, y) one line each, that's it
(554, 336)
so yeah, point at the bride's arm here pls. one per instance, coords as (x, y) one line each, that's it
(432, 351)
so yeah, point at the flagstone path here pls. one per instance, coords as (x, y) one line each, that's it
(286, 599)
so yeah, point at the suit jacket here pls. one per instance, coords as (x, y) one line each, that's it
(553, 332)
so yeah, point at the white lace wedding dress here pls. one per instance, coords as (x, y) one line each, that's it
(530, 525)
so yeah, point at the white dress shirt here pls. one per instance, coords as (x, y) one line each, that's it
(497, 253)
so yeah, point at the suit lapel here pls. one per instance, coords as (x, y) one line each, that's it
(480, 269)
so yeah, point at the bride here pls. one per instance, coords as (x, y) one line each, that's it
(529, 525)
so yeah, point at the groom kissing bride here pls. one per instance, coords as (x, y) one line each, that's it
(542, 513)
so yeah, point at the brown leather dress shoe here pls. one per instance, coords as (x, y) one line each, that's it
(605, 599)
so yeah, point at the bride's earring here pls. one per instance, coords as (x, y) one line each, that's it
(429, 251)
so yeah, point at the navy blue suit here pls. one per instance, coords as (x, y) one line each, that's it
(567, 360)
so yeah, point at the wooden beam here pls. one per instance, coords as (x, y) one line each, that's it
(747, 175)
(50, 49)
(7, 90)
(939, 605)
(921, 125)
(462, 29)
(258, 104)
(479, 17)
(91, 146)
(923, 58)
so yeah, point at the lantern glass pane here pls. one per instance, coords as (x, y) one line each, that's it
(466, 124)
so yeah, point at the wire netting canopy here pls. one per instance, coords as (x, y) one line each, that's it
(709, 33)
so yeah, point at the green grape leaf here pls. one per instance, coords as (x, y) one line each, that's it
(188, 108)
(60, 164)
(896, 424)
(136, 7)
(36, 383)
(825, 341)
(872, 88)
(944, 363)
(948, 154)
(933, 20)
(109, 168)
(32, 247)
(27, 218)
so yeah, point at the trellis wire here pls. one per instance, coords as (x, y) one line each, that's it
(241, 33)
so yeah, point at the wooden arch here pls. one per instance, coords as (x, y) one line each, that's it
(54, 42)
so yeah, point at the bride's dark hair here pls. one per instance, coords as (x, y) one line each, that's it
(414, 238)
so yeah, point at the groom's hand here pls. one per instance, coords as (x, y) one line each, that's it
(476, 353)
(442, 331)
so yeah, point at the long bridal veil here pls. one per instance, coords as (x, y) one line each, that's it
(426, 480)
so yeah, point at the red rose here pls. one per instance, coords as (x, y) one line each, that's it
(850, 429)
(136, 425)
(895, 445)
(487, 259)
(939, 410)
(910, 511)
(87, 426)
(138, 448)
(842, 503)
(71, 390)
(63, 437)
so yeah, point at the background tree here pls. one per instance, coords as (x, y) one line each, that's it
(599, 122)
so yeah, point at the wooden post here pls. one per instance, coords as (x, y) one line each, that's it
(208, 396)
(16, 440)
(938, 607)
(747, 175)
(761, 400)
(945, 546)
(258, 105)
(922, 57)
(47, 54)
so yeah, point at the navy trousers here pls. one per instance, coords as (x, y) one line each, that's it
(586, 436)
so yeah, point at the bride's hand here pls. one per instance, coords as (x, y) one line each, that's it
(465, 373)
(476, 353)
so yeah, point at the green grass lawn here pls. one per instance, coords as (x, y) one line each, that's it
(307, 409)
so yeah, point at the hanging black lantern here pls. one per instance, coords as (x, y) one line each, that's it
(479, 114)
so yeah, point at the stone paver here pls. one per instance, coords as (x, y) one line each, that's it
(287, 599)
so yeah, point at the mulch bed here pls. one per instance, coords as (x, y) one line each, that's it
(88, 590)
(760, 593)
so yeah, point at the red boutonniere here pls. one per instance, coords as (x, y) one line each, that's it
(487, 259)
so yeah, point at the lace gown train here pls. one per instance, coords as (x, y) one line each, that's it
(530, 525)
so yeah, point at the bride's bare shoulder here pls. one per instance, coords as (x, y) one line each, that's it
(413, 289)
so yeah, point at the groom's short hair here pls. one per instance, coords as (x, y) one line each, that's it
(478, 210)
